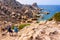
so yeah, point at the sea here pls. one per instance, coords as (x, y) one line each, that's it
(52, 9)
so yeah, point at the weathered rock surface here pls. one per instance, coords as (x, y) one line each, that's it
(40, 32)
(13, 11)
(37, 32)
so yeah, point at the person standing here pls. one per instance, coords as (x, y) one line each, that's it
(9, 29)
(16, 30)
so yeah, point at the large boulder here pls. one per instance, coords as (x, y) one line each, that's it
(35, 5)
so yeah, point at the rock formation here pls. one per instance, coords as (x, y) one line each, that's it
(48, 31)
(13, 11)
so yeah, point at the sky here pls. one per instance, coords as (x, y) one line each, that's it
(40, 2)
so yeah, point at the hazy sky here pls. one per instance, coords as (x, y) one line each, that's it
(41, 2)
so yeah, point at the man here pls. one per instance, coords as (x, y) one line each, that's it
(10, 30)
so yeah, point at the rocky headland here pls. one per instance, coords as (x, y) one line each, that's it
(13, 11)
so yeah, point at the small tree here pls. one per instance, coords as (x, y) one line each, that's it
(56, 17)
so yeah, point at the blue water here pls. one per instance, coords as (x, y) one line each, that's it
(52, 9)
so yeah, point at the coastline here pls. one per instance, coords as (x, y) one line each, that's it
(26, 18)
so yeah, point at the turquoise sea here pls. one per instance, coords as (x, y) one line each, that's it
(52, 9)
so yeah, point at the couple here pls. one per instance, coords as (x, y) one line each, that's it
(10, 31)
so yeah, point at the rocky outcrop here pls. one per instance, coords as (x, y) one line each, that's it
(40, 32)
(35, 4)
(13, 11)
(11, 3)
(48, 31)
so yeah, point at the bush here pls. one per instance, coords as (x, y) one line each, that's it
(37, 22)
(50, 19)
(12, 27)
(56, 17)
(22, 26)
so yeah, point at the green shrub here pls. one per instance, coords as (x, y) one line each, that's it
(12, 27)
(50, 19)
(22, 26)
(37, 22)
(57, 16)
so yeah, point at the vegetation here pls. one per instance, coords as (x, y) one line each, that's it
(13, 27)
(37, 22)
(50, 19)
(22, 26)
(56, 17)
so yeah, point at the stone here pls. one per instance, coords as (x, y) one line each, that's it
(13, 10)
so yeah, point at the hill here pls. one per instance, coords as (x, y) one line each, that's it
(13, 11)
